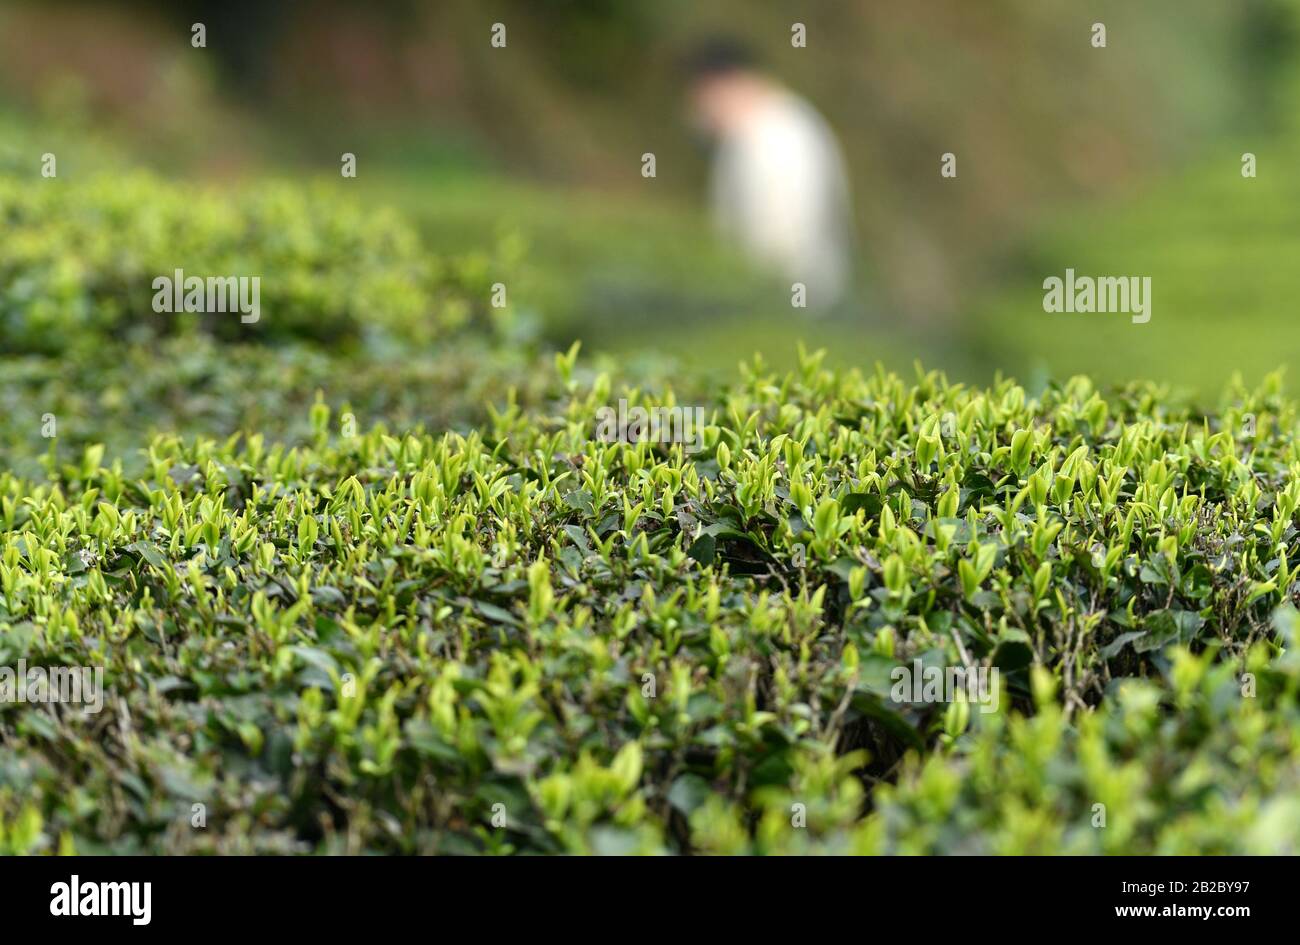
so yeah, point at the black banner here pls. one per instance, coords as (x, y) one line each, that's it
(204, 895)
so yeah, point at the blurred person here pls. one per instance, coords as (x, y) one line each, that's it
(778, 183)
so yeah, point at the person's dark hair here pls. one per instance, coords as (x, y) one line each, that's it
(717, 56)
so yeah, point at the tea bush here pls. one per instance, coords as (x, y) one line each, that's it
(79, 258)
(521, 638)
(121, 395)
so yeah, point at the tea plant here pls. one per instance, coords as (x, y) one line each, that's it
(52, 408)
(521, 638)
(80, 256)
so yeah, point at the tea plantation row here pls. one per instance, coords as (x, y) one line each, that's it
(521, 638)
(363, 576)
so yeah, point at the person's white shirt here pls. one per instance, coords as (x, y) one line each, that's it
(779, 189)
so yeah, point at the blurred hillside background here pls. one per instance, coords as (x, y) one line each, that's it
(1117, 161)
